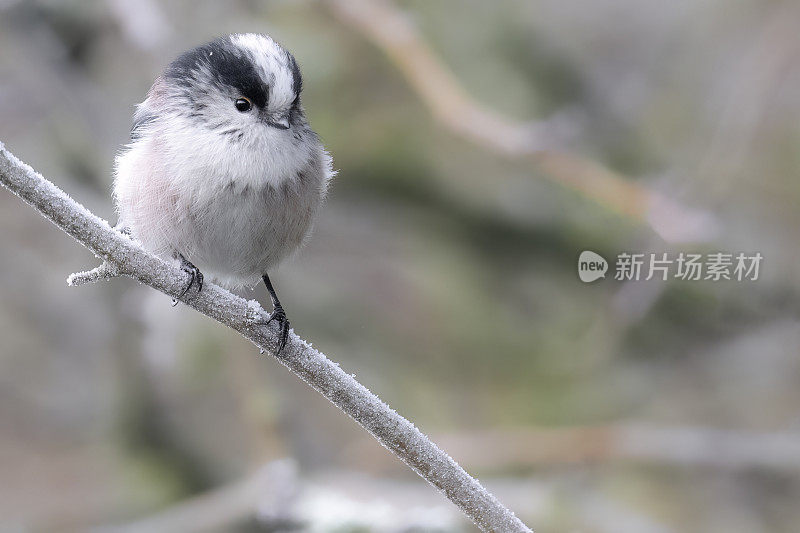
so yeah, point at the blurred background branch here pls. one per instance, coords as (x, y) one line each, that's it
(267, 494)
(382, 22)
(276, 497)
(680, 447)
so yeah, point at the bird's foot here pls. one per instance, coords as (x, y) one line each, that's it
(279, 315)
(195, 276)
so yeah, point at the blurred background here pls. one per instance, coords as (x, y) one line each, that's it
(481, 146)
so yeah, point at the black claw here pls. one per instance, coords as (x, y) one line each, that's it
(283, 323)
(194, 276)
(277, 314)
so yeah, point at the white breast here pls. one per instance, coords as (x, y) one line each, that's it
(234, 207)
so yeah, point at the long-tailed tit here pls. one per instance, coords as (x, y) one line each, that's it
(223, 170)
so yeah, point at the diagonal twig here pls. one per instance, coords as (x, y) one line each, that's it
(127, 258)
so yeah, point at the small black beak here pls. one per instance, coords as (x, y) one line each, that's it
(279, 125)
(278, 120)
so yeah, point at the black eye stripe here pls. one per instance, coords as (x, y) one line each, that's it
(297, 79)
(228, 67)
(234, 70)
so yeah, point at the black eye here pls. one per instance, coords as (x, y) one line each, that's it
(244, 104)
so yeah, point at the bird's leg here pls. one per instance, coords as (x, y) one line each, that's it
(195, 276)
(278, 314)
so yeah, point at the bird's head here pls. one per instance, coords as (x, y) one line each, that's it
(235, 86)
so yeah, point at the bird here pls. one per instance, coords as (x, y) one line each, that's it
(223, 173)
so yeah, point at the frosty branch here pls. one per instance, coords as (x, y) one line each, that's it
(122, 256)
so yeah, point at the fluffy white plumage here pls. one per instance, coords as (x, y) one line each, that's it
(233, 192)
